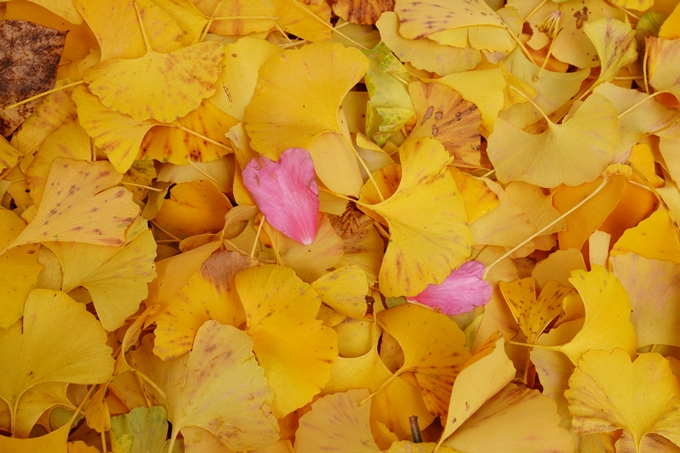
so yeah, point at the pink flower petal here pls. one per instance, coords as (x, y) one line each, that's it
(286, 193)
(462, 291)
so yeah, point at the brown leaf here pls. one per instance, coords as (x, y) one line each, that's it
(29, 56)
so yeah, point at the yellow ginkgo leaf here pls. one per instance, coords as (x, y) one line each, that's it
(553, 89)
(609, 392)
(143, 87)
(607, 325)
(655, 311)
(194, 208)
(54, 442)
(484, 375)
(236, 84)
(9, 155)
(455, 24)
(81, 203)
(429, 235)
(615, 44)
(209, 294)
(69, 141)
(445, 116)
(310, 262)
(78, 356)
(537, 205)
(19, 269)
(187, 17)
(337, 422)
(434, 350)
(477, 196)
(571, 153)
(217, 388)
(297, 17)
(361, 243)
(669, 29)
(116, 277)
(485, 88)
(515, 420)
(118, 31)
(506, 225)
(295, 105)
(558, 267)
(654, 238)
(344, 290)
(664, 57)
(295, 349)
(424, 53)
(532, 315)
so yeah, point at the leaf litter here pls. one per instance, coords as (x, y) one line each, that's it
(348, 225)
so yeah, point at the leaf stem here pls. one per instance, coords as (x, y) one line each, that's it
(208, 24)
(547, 227)
(197, 134)
(532, 103)
(257, 236)
(44, 93)
(634, 106)
(141, 27)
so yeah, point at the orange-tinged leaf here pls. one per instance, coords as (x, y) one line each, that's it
(477, 197)
(344, 290)
(78, 356)
(337, 422)
(664, 57)
(484, 375)
(295, 105)
(572, 153)
(655, 311)
(607, 325)
(81, 203)
(434, 350)
(609, 392)
(295, 349)
(558, 267)
(143, 87)
(365, 12)
(445, 116)
(537, 205)
(515, 420)
(54, 442)
(19, 269)
(218, 387)
(361, 243)
(429, 235)
(116, 277)
(263, 9)
(209, 294)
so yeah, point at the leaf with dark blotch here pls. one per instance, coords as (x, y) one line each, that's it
(29, 56)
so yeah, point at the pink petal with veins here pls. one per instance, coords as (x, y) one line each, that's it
(286, 193)
(462, 291)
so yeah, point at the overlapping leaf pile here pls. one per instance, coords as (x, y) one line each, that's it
(292, 225)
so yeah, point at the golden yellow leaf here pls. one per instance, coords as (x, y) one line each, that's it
(654, 238)
(187, 17)
(78, 356)
(655, 312)
(218, 388)
(19, 269)
(424, 53)
(295, 350)
(609, 392)
(484, 375)
(344, 290)
(209, 294)
(446, 117)
(194, 208)
(297, 17)
(578, 150)
(477, 196)
(116, 277)
(310, 262)
(118, 31)
(9, 155)
(81, 203)
(264, 9)
(434, 350)
(337, 422)
(669, 29)
(485, 88)
(365, 12)
(607, 325)
(537, 205)
(455, 24)
(558, 267)
(236, 84)
(361, 243)
(295, 105)
(429, 235)
(615, 44)
(664, 55)
(532, 315)
(54, 442)
(515, 420)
